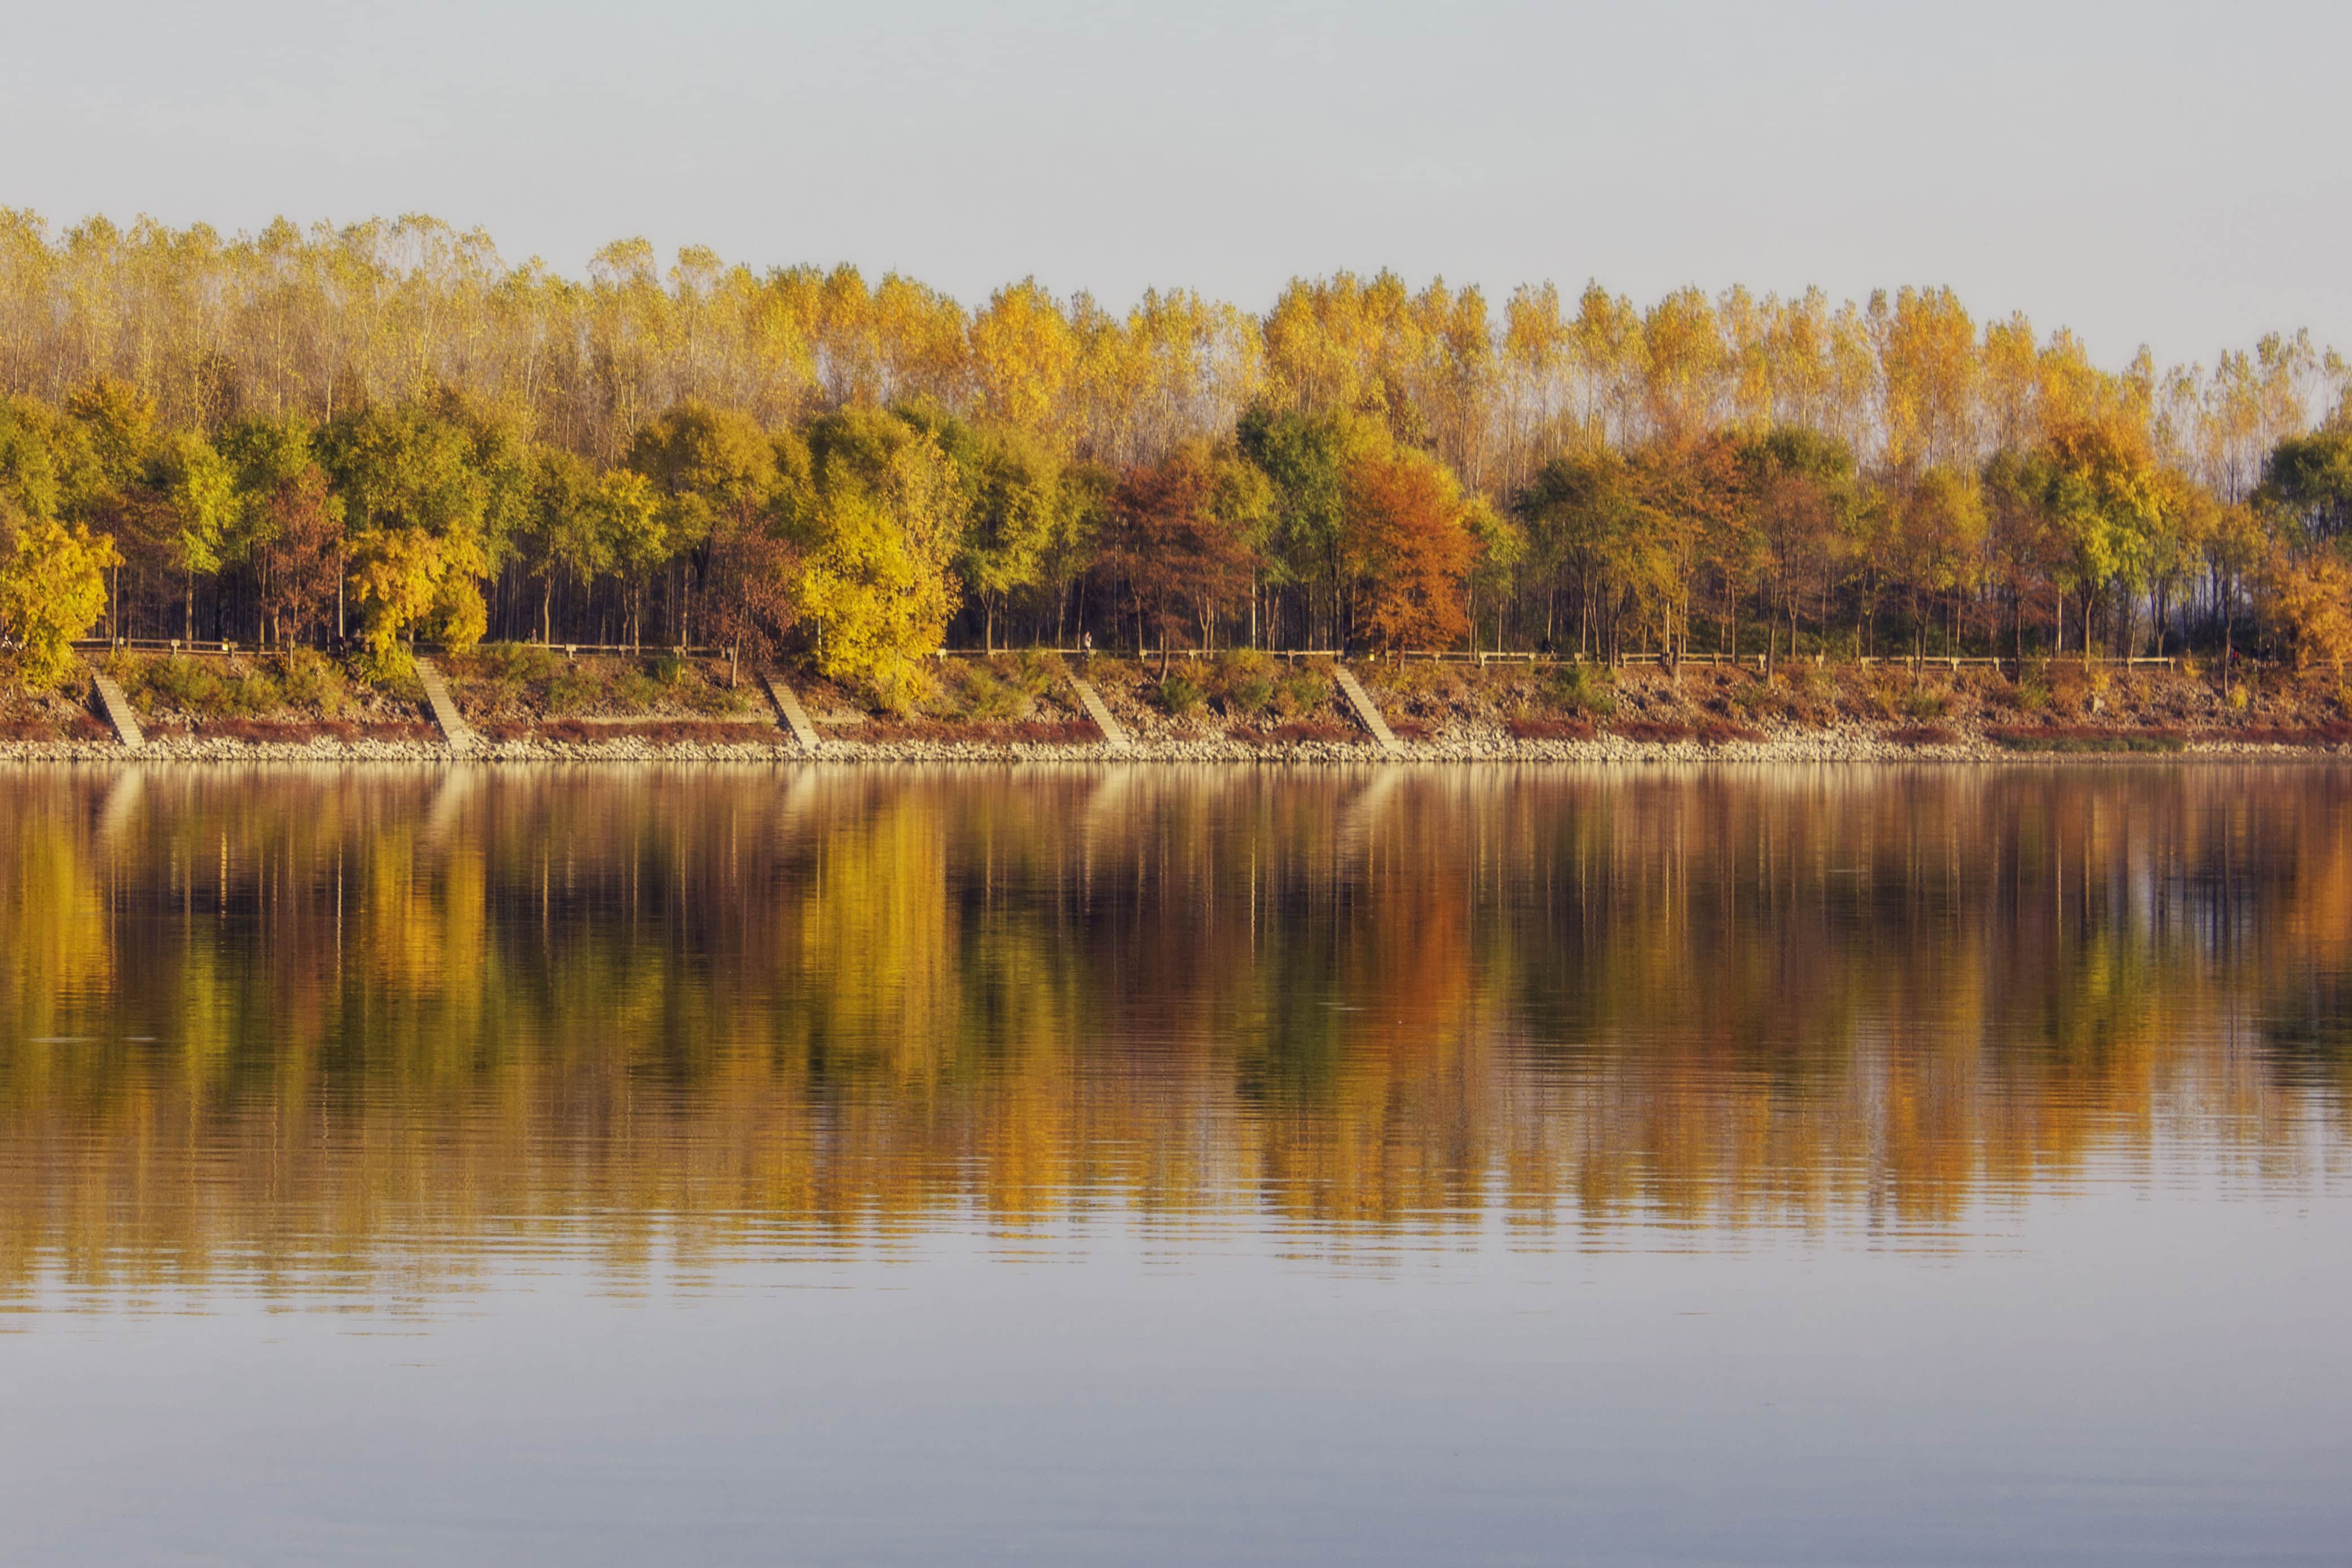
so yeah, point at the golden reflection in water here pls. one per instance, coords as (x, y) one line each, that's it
(330, 1028)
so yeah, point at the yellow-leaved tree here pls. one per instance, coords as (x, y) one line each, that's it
(407, 578)
(52, 590)
(878, 520)
(2311, 598)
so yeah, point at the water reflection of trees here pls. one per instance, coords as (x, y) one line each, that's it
(280, 1022)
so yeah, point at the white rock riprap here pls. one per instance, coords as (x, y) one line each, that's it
(1855, 744)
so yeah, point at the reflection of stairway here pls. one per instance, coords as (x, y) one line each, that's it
(794, 714)
(454, 728)
(1363, 811)
(117, 710)
(114, 813)
(1114, 734)
(1361, 701)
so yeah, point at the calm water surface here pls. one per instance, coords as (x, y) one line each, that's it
(1519, 1165)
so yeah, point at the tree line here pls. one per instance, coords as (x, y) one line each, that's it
(383, 432)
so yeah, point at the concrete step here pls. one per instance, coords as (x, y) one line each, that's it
(794, 715)
(117, 707)
(454, 728)
(1114, 734)
(1361, 701)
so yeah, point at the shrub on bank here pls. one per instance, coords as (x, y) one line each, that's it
(1585, 688)
(1924, 703)
(1303, 691)
(1180, 696)
(1249, 696)
(309, 679)
(497, 680)
(2069, 739)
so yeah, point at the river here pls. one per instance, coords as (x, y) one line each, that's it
(1071, 1165)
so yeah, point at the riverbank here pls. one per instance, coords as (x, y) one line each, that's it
(533, 705)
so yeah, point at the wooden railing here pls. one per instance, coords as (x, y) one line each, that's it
(207, 647)
(1540, 660)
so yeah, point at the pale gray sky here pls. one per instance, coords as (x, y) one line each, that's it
(2159, 171)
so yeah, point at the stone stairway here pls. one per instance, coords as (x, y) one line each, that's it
(1361, 701)
(117, 710)
(796, 716)
(454, 728)
(1114, 734)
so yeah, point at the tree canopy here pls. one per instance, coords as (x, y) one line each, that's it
(386, 431)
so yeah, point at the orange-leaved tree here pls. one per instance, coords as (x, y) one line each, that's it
(1408, 546)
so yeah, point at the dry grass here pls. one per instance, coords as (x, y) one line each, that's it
(1531, 728)
(81, 726)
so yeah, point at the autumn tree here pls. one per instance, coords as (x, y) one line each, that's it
(2308, 479)
(406, 579)
(2235, 548)
(1305, 458)
(302, 555)
(2186, 513)
(1689, 491)
(2311, 599)
(1799, 481)
(118, 419)
(2102, 498)
(1941, 545)
(749, 608)
(192, 514)
(435, 493)
(52, 571)
(52, 591)
(562, 540)
(287, 536)
(877, 523)
(1174, 552)
(2024, 543)
(714, 470)
(1019, 505)
(28, 469)
(1582, 520)
(633, 531)
(1409, 549)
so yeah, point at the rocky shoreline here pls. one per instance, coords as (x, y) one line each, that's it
(1856, 744)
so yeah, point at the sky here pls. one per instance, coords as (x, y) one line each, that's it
(2143, 172)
